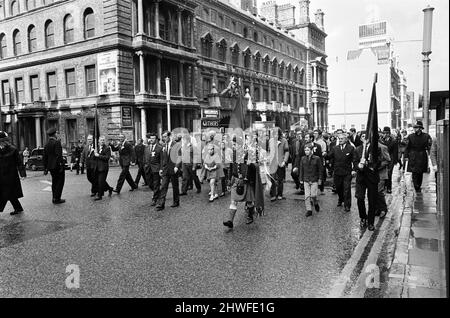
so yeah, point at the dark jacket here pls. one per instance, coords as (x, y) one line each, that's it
(296, 149)
(152, 160)
(171, 158)
(392, 145)
(342, 159)
(10, 167)
(310, 169)
(102, 161)
(139, 153)
(416, 152)
(372, 175)
(88, 158)
(53, 158)
(125, 153)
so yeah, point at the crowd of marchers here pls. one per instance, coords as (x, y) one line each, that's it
(249, 167)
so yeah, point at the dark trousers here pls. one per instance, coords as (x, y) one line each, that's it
(417, 178)
(344, 189)
(381, 199)
(324, 177)
(125, 175)
(189, 176)
(295, 176)
(58, 178)
(90, 173)
(82, 168)
(277, 187)
(166, 179)
(141, 173)
(388, 182)
(102, 183)
(362, 185)
(154, 182)
(77, 165)
(224, 180)
(14, 202)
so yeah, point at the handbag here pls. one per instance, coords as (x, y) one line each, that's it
(240, 187)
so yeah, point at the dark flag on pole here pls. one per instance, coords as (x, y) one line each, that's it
(372, 126)
(96, 128)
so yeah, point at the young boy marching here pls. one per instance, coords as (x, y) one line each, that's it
(310, 174)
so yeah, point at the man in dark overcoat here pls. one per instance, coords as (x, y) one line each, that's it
(125, 150)
(416, 154)
(11, 165)
(54, 162)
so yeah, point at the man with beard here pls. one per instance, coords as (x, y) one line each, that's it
(416, 155)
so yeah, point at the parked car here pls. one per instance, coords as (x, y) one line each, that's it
(35, 161)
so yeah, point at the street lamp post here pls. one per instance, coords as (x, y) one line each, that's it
(169, 128)
(426, 51)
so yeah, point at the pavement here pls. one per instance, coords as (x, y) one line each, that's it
(122, 247)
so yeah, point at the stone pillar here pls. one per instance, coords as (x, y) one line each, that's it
(193, 71)
(261, 93)
(180, 27)
(315, 114)
(270, 93)
(143, 123)
(157, 19)
(314, 75)
(181, 78)
(142, 85)
(182, 119)
(140, 17)
(158, 76)
(37, 121)
(159, 121)
(192, 31)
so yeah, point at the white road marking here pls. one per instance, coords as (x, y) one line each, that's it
(46, 182)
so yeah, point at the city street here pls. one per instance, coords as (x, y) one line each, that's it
(124, 248)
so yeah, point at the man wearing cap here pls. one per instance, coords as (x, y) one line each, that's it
(392, 145)
(416, 154)
(11, 165)
(54, 162)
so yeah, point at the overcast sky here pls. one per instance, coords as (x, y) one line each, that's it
(405, 17)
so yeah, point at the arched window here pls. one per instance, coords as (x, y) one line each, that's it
(207, 45)
(257, 62)
(17, 43)
(281, 72)
(2, 46)
(49, 34)
(164, 25)
(255, 36)
(274, 67)
(245, 32)
(68, 29)
(288, 72)
(295, 74)
(14, 7)
(266, 64)
(247, 58)
(222, 50)
(32, 41)
(31, 4)
(235, 54)
(89, 23)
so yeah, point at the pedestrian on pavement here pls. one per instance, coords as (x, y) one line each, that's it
(279, 149)
(53, 161)
(343, 157)
(367, 179)
(76, 155)
(102, 157)
(402, 148)
(88, 161)
(211, 165)
(152, 163)
(310, 174)
(125, 150)
(11, 170)
(187, 165)
(391, 143)
(139, 158)
(170, 171)
(25, 155)
(416, 154)
(297, 150)
(383, 172)
(318, 139)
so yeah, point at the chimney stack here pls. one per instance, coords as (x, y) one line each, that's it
(319, 19)
(304, 12)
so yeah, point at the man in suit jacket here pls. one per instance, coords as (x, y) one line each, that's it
(125, 150)
(152, 165)
(343, 156)
(88, 161)
(139, 159)
(280, 149)
(297, 149)
(102, 157)
(170, 168)
(54, 162)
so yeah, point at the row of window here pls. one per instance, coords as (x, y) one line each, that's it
(14, 7)
(250, 61)
(257, 94)
(343, 126)
(49, 33)
(211, 15)
(17, 95)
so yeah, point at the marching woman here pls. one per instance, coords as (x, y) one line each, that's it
(11, 165)
(212, 165)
